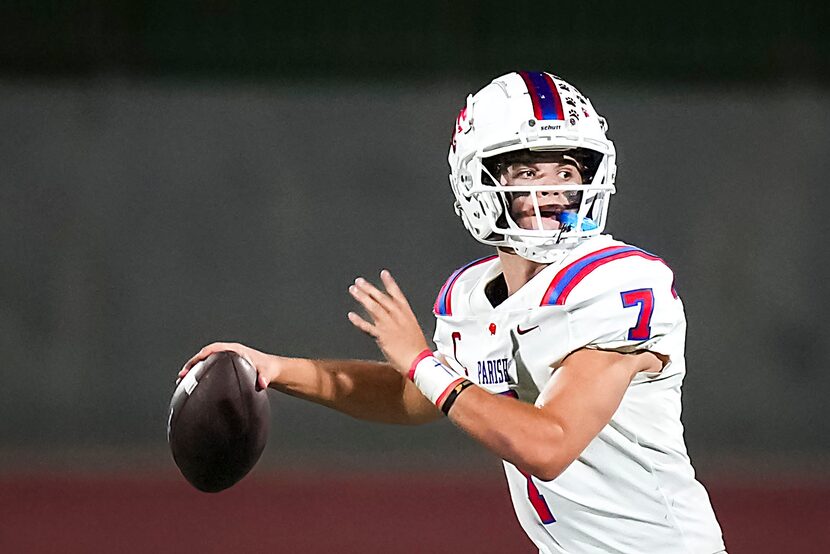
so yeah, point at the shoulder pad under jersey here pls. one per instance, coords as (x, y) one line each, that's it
(616, 298)
(564, 289)
(465, 275)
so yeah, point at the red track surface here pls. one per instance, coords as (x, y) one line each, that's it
(360, 514)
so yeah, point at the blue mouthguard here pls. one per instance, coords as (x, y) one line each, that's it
(568, 219)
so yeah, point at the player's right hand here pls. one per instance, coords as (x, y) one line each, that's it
(264, 363)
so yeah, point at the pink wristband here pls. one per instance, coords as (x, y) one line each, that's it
(434, 379)
(425, 353)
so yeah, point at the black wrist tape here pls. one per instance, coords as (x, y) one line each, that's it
(451, 397)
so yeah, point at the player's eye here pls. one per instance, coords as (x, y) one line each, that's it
(568, 173)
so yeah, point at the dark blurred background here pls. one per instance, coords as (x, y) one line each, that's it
(174, 173)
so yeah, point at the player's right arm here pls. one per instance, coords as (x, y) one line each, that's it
(368, 390)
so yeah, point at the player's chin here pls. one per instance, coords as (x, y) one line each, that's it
(531, 223)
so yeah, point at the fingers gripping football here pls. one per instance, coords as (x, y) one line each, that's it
(255, 357)
(393, 325)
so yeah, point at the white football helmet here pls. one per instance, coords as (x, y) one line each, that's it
(530, 111)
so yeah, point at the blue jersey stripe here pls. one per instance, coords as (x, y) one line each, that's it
(564, 279)
(444, 295)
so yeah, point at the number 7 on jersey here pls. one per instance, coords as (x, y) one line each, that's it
(644, 298)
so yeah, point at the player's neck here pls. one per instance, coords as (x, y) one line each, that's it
(517, 270)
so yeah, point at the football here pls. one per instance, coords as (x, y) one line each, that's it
(218, 421)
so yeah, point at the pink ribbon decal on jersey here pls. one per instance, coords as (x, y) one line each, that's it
(543, 94)
(443, 304)
(571, 275)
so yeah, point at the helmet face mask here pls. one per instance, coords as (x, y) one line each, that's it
(531, 118)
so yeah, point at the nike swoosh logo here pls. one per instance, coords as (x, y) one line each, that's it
(523, 331)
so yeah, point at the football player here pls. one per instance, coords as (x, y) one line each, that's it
(563, 353)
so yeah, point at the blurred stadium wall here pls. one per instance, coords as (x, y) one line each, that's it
(177, 173)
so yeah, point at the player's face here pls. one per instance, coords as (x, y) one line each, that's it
(551, 204)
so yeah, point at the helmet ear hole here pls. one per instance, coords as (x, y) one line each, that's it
(465, 183)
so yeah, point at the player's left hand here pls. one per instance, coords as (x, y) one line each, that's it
(393, 326)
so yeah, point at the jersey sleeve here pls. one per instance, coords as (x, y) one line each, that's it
(452, 314)
(443, 340)
(474, 342)
(626, 305)
(443, 311)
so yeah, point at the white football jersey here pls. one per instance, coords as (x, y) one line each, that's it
(633, 489)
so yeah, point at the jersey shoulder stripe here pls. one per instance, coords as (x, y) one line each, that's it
(571, 275)
(443, 304)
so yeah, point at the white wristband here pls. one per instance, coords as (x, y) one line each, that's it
(433, 379)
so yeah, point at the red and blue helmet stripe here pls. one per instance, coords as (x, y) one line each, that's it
(571, 275)
(543, 94)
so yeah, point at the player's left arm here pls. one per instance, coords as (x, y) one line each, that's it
(544, 439)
